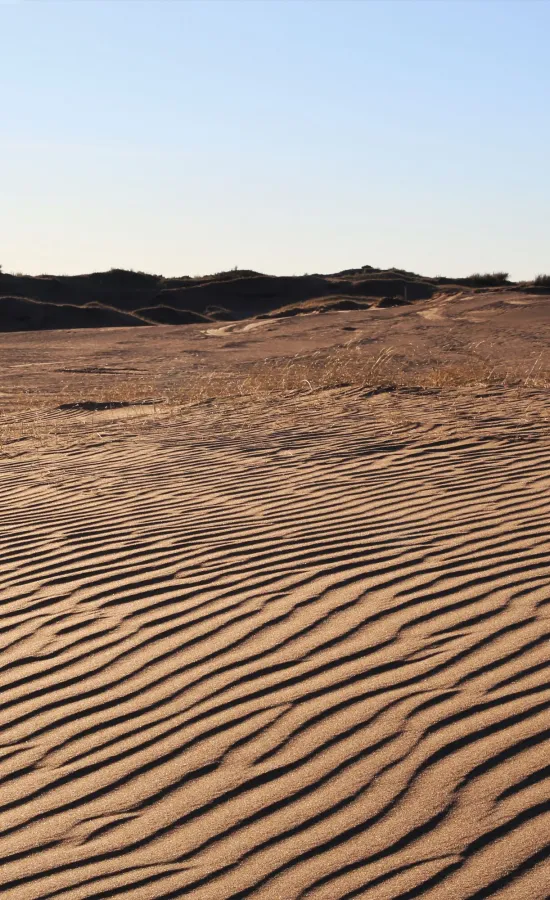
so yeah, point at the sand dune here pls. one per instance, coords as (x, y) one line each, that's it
(279, 651)
(126, 298)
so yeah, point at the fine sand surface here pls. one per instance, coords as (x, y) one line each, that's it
(275, 646)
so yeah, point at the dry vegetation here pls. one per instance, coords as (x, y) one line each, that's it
(487, 279)
(52, 411)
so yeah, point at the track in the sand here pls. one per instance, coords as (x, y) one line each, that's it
(305, 662)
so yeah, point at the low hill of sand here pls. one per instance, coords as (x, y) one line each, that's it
(120, 297)
(275, 602)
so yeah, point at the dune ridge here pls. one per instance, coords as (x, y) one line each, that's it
(123, 297)
(280, 652)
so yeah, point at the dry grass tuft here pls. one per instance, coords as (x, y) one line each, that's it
(100, 403)
(487, 279)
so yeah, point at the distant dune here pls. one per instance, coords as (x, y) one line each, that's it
(121, 297)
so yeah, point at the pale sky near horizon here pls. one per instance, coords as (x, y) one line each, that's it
(285, 136)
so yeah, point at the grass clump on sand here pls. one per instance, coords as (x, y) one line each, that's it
(487, 279)
(99, 403)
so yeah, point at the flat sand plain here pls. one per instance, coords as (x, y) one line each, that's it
(278, 643)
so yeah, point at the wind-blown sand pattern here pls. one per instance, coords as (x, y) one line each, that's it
(280, 653)
(303, 664)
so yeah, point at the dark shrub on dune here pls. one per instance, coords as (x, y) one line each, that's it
(487, 279)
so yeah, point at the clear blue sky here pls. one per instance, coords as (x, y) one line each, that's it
(285, 136)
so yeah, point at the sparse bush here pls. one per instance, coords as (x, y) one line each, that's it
(487, 279)
(543, 280)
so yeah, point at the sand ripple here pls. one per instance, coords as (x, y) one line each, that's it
(298, 660)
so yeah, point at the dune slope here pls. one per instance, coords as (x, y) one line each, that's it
(121, 297)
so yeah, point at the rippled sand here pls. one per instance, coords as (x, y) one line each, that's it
(279, 651)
